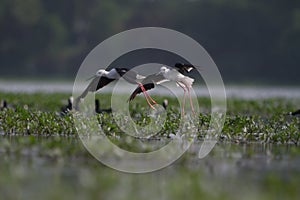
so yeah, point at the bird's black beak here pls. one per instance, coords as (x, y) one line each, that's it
(199, 67)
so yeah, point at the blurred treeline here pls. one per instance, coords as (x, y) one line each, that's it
(250, 40)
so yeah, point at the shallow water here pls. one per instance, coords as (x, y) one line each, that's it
(60, 168)
(247, 92)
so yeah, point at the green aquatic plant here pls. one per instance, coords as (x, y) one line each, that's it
(263, 121)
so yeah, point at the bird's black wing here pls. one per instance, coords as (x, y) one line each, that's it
(184, 67)
(148, 83)
(103, 82)
(138, 90)
(121, 71)
(96, 84)
(297, 112)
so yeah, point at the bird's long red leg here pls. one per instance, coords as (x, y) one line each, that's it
(151, 106)
(183, 100)
(145, 92)
(154, 102)
(145, 95)
(191, 103)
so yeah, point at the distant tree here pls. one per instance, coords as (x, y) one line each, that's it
(248, 39)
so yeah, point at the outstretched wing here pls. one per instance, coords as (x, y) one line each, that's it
(138, 90)
(148, 83)
(96, 84)
(103, 82)
(132, 76)
(181, 67)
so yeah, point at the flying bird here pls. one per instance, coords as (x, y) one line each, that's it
(103, 78)
(147, 84)
(168, 74)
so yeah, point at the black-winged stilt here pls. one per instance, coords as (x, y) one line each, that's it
(103, 78)
(98, 109)
(3, 104)
(67, 108)
(167, 74)
(165, 103)
(147, 84)
(296, 113)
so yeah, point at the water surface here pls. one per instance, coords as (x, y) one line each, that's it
(248, 92)
(60, 168)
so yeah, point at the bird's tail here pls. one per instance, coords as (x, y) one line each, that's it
(188, 81)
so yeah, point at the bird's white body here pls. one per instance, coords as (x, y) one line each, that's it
(181, 80)
(174, 75)
(112, 74)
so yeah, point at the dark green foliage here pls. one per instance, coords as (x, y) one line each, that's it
(262, 121)
(248, 39)
(25, 122)
(276, 129)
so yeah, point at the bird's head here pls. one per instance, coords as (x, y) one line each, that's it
(164, 69)
(100, 72)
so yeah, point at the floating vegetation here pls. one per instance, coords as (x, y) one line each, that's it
(26, 122)
(262, 121)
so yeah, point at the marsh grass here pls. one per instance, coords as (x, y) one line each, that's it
(263, 120)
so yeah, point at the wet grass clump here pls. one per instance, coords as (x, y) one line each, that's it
(22, 121)
(263, 120)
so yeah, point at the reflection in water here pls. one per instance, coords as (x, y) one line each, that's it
(231, 171)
